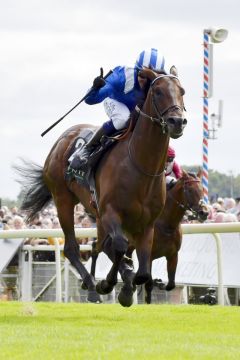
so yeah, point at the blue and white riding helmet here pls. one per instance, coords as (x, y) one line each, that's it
(150, 59)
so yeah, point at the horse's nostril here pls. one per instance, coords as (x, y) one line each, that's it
(177, 121)
(203, 214)
(172, 121)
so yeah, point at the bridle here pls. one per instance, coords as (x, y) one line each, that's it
(138, 167)
(160, 119)
(186, 206)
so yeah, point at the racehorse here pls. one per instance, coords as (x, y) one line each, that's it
(186, 194)
(130, 185)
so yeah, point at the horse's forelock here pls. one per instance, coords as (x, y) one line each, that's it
(192, 174)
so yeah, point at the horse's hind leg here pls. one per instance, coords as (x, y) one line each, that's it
(94, 256)
(65, 207)
(171, 269)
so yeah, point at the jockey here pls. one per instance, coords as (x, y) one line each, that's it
(121, 92)
(172, 170)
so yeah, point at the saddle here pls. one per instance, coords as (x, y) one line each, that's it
(86, 175)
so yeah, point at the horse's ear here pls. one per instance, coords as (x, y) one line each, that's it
(184, 173)
(199, 173)
(173, 70)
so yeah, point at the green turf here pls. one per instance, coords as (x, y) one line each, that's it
(86, 331)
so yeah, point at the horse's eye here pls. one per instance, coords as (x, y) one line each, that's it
(182, 91)
(158, 92)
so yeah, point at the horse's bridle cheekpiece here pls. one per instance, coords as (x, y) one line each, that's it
(160, 119)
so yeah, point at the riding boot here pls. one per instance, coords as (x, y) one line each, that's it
(81, 159)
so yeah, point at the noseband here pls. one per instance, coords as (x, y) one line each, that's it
(160, 114)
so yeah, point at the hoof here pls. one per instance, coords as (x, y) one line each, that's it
(148, 299)
(103, 287)
(84, 286)
(169, 287)
(125, 297)
(94, 297)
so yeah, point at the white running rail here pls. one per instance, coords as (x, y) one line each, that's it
(207, 228)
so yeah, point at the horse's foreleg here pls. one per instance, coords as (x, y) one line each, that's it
(115, 253)
(125, 296)
(144, 248)
(171, 269)
(65, 208)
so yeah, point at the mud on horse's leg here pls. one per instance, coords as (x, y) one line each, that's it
(65, 208)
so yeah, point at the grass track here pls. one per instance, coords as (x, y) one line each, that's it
(86, 331)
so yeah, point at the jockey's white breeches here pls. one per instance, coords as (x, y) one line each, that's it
(117, 112)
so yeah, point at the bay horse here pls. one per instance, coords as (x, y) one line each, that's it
(130, 184)
(186, 194)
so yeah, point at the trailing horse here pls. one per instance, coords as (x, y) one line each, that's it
(130, 185)
(186, 194)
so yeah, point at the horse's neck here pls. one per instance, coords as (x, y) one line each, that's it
(173, 213)
(148, 143)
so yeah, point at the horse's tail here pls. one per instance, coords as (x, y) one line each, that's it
(34, 192)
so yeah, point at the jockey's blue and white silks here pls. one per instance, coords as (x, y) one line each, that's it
(121, 92)
(150, 59)
(121, 85)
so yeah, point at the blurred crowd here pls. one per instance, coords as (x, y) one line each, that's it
(14, 219)
(223, 210)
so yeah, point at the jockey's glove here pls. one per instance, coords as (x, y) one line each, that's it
(98, 82)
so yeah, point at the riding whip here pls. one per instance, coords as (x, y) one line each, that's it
(61, 118)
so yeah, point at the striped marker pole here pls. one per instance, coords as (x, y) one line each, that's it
(205, 116)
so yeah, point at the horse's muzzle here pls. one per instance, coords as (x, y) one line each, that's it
(176, 126)
(202, 215)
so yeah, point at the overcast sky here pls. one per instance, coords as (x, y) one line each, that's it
(51, 50)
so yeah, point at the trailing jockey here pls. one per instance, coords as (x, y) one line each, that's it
(172, 171)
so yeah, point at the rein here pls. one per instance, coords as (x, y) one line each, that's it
(159, 121)
(138, 167)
